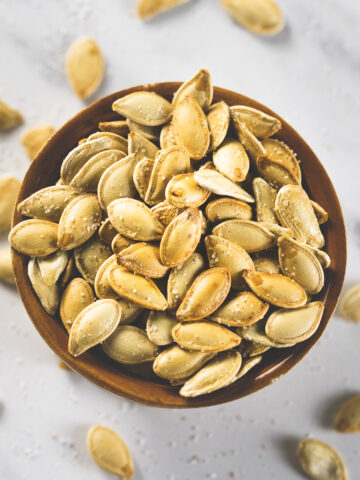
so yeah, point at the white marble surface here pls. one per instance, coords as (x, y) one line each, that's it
(310, 75)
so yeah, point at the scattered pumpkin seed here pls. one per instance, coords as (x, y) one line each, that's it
(9, 187)
(347, 419)
(350, 304)
(6, 270)
(35, 139)
(9, 118)
(319, 461)
(147, 9)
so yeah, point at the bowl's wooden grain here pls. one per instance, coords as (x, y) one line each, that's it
(104, 372)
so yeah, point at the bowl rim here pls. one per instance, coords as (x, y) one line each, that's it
(120, 382)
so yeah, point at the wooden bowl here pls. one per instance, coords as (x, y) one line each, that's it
(106, 373)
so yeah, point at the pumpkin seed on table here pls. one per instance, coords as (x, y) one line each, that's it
(350, 304)
(84, 66)
(49, 296)
(146, 9)
(77, 295)
(135, 220)
(145, 108)
(347, 419)
(227, 209)
(10, 187)
(130, 345)
(52, 266)
(257, 122)
(117, 180)
(79, 221)
(120, 242)
(143, 259)
(141, 175)
(215, 182)
(136, 288)
(229, 255)
(249, 235)
(276, 289)
(35, 139)
(279, 151)
(142, 146)
(181, 277)
(159, 327)
(47, 203)
(110, 451)
(262, 17)
(231, 160)
(199, 87)
(298, 262)
(120, 127)
(294, 210)
(204, 336)
(242, 310)
(181, 237)
(205, 295)
(90, 256)
(320, 461)
(36, 238)
(93, 325)
(191, 128)
(265, 197)
(6, 270)
(107, 232)
(151, 133)
(9, 118)
(218, 118)
(168, 164)
(218, 373)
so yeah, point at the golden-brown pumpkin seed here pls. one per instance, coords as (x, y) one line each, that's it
(278, 230)
(199, 87)
(110, 451)
(107, 232)
(119, 243)
(284, 326)
(103, 288)
(205, 295)
(9, 118)
(255, 334)
(175, 363)
(143, 259)
(36, 238)
(218, 373)
(322, 256)
(227, 209)
(52, 266)
(217, 183)
(47, 203)
(265, 197)
(141, 176)
(120, 127)
(182, 191)
(166, 212)
(6, 270)
(267, 262)
(145, 108)
(141, 146)
(319, 461)
(321, 214)
(294, 210)
(168, 164)
(275, 172)
(218, 118)
(84, 66)
(276, 289)
(137, 289)
(159, 327)
(350, 304)
(298, 262)
(90, 256)
(48, 295)
(79, 221)
(190, 128)
(204, 336)
(167, 137)
(93, 325)
(181, 237)
(251, 144)
(147, 9)
(70, 272)
(135, 220)
(257, 122)
(231, 160)
(250, 349)
(347, 419)
(130, 345)
(9, 187)
(35, 139)
(251, 236)
(119, 142)
(151, 133)
(246, 366)
(279, 151)
(262, 17)
(117, 181)
(77, 295)
(181, 277)
(241, 311)
(229, 255)
(88, 177)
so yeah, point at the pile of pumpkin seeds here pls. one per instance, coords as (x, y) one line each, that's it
(190, 244)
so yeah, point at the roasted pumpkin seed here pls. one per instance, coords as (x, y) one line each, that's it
(321, 214)
(274, 172)
(250, 349)
(9, 118)
(141, 146)
(159, 327)
(215, 182)
(182, 191)
(119, 243)
(69, 273)
(120, 127)
(52, 266)
(204, 336)
(90, 256)
(257, 122)
(199, 87)
(6, 270)
(167, 138)
(265, 197)
(166, 212)
(218, 118)
(255, 334)
(267, 262)
(279, 151)
(77, 296)
(227, 209)
(143, 259)
(35, 139)
(110, 451)
(241, 311)
(251, 144)
(151, 133)
(246, 366)
(347, 419)
(141, 176)
(9, 187)
(48, 295)
(36, 238)
(119, 142)
(231, 160)
(350, 304)
(102, 285)
(107, 232)
(205, 295)
(249, 235)
(176, 363)
(319, 461)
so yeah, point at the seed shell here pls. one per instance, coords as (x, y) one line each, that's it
(6, 270)
(279, 151)
(176, 363)
(77, 296)
(52, 266)
(218, 118)
(141, 146)
(159, 327)
(350, 304)
(227, 209)
(265, 197)
(143, 259)
(231, 160)
(167, 138)
(102, 285)
(319, 461)
(241, 311)
(35, 139)
(257, 122)
(217, 183)
(166, 212)
(275, 172)
(36, 238)
(199, 87)
(141, 175)
(107, 232)
(347, 419)
(249, 235)
(119, 243)
(321, 214)
(9, 187)
(90, 256)
(48, 295)
(204, 336)
(182, 191)
(255, 334)
(251, 144)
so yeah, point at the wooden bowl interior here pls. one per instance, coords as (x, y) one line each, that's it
(94, 365)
